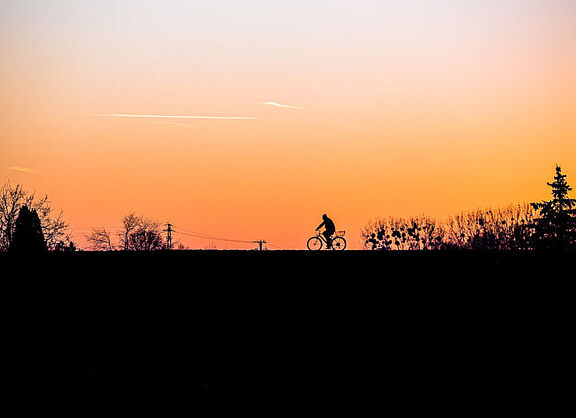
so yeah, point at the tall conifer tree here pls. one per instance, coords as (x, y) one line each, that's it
(28, 236)
(556, 226)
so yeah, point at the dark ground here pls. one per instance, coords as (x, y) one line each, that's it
(227, 319)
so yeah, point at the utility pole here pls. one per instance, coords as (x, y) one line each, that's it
(168, 231)
(260, 243)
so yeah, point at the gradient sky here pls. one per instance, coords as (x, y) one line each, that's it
(399, 108)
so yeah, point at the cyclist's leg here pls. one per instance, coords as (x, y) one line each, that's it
(328, 236)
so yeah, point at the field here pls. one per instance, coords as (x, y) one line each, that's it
(225, 318)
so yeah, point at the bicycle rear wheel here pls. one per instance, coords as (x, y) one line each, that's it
(338, 244)
(314, 244)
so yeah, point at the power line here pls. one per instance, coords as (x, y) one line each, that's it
(194, 232)
(182, 231)
(191, 233)
(206, 236)
(211, 237)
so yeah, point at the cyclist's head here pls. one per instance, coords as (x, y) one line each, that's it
(324, 216)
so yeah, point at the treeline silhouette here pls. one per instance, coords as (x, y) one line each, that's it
(547, 225)
(482, 229)
(137, 233)
(28, 223)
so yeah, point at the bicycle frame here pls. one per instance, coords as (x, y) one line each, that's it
(339, 234)
(322, 238)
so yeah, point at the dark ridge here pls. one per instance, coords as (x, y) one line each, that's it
(276, 318)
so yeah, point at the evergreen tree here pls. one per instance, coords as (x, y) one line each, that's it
(556, 226)
(28, 236)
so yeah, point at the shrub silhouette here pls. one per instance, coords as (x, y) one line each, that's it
(416, 233)
(506, 228)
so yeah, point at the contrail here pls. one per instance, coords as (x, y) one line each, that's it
(123, 115)
(23, 169)
(281, 105)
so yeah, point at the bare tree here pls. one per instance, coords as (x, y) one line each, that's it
(12, 198)
(130, 223)
(99, 239)
(137, 234)
(147, 236)
(54, 227)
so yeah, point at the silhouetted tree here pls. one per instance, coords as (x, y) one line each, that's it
(146, 238)
(28, 236)
(12, 198)
(137, 234)
(146, 234)
(99, 239)
(130, 223)
(556, 227)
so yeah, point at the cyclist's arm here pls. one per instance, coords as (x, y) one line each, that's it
(320, 226)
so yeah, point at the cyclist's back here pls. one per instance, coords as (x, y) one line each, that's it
(329, 228)
(329, 225)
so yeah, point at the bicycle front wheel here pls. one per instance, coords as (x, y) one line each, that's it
(338, 244)
(314, 244)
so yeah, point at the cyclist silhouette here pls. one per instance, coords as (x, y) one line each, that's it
(329, 229)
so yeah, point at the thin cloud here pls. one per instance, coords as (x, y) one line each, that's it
(281, 105)
(23, 169)
(123, 115)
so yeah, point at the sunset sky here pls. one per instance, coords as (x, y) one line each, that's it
(286, 110)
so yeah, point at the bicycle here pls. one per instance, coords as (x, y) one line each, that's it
(316, 242)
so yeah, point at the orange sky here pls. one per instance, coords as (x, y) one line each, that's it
(402, 108)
